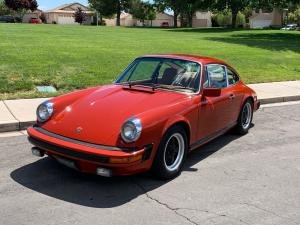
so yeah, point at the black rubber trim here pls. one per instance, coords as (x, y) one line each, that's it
(148, 150)
(67, 152)
(97, 146)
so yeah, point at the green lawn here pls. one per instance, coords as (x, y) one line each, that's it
(75, 57)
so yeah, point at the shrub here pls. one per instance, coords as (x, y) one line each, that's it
(43, 18)
(223, 19)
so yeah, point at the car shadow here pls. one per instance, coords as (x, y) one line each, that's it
(50, 178)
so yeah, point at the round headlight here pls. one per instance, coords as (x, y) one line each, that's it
(44, 111)
(131, 130)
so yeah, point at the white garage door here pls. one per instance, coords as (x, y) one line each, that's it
(261, 23)
(66, 20)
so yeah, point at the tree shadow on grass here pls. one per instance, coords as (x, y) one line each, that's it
(269, 41)
(204, 30)
(48, 177)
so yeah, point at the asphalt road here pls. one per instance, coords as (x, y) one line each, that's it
(254, 179)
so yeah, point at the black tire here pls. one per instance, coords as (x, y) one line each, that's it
(163, 168)
(244, 122)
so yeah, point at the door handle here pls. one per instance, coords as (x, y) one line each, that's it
(231, 96)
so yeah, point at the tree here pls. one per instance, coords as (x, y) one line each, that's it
(80, 16)
(18, 5)
(43, 17)
(103, 7)
(174, 5)
(4, 10)
(188, 8)
(138, 10)
(110, 7)
(21, 6)
(142, 10)
(233, 5)
(122, 5)
(150, 12)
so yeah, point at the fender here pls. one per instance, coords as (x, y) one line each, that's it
(176, 120)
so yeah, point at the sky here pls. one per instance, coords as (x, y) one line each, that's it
(50, 4)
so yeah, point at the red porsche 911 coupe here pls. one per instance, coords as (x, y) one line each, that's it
(160, 108)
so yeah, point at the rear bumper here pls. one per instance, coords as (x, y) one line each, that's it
(88, 157)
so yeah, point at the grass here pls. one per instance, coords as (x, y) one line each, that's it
(75, 57)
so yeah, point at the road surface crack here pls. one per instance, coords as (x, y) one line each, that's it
(176, 209)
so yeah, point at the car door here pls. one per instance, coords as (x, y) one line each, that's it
(235, 90)
(214, 114)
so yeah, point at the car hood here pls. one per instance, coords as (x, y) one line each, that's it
(98, 116)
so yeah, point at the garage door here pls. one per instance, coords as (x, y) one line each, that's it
(66, 20)
(261, 23)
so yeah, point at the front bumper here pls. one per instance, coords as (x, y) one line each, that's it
(89, 157)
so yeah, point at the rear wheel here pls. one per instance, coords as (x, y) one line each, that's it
(245, 118)
(171, 154)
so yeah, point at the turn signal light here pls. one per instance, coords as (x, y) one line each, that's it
(128, 159)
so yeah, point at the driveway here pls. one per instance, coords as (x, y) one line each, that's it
(254, 179)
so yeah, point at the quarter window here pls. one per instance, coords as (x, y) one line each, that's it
(215, 76)
(232, 77)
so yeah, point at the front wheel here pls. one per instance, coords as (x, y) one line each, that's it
(171, 154)
(245, 118)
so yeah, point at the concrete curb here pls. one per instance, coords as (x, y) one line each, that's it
(280, 99)
(22, 125)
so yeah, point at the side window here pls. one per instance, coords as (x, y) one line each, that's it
(215, 76)
(232, 77)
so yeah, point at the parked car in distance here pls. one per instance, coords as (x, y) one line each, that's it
(164, 24)
(35, 21)
(7, 19)
(160, 108)
(293, 26)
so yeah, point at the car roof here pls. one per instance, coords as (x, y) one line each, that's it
(200, 59)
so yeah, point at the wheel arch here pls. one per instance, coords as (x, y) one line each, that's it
(249, 98)
(182, 123)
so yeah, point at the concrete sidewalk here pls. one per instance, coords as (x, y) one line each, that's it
(18, 114)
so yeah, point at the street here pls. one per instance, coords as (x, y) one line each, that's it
(253, 179)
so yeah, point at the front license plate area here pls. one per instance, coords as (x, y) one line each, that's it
(67, 162)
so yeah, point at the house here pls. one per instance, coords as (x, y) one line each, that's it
(31, 15)
(202, 19)
(263, 19)
(161, 19)
(64, 14)
(126, 20)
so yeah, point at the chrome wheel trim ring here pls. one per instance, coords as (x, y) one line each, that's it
(181, 145)
(246, 115)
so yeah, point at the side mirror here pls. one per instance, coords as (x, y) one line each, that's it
(211, 92)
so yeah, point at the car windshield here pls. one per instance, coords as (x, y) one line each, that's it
(166, 73)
